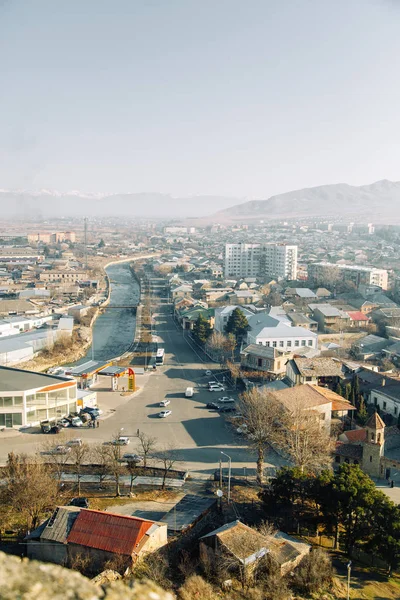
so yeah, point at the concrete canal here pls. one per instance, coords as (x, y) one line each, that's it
(114, 329)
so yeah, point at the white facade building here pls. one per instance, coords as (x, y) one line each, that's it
(359, 275)
(273, 261)
(222, 316)
(278, 333)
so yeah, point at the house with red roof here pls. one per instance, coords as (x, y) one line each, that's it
(101, 536)
(358, 318)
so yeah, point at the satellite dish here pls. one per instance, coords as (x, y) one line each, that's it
(219, 493)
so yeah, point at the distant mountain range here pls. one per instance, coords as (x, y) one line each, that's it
(378, 201)
(49, 203)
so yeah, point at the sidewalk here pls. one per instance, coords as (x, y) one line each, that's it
(126, 480)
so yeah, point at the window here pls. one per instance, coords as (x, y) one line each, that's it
(274, 344)
(303, 342)
(395, 410)
(18, 400)
(267, 344)
(10, 419)
(370, 459)
(289, 344)
(281, 344)
(375, 400)
(384, 406)
(308, 378)
(337, 459)
(296, 343)
(309, 342)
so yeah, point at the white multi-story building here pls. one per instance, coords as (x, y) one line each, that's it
(278, 333)
(359, 275)
(278, 261)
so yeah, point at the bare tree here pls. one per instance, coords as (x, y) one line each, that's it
(100, 455)
(167, 457)
(305, 439)
(115, 467)
(234, 371)
(216, 345)
(261, 413)
(30, 488)
(57, 460)
(146, 446)
(78, 455)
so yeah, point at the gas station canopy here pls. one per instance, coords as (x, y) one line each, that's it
(113, 371)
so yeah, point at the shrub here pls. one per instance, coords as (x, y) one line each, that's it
(196, 588)
(314, 573)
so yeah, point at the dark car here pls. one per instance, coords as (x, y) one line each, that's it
(79, 502)
(213, 405)
(227, 409)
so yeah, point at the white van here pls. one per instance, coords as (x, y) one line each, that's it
(189, 392)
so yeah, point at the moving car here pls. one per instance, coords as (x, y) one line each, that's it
(189, 392)
(121, 441)
(165, 402)
(216, 388)
(225, 399)
(132, 458)
(165, 413)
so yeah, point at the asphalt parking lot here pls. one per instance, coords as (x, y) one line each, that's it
(197, 434)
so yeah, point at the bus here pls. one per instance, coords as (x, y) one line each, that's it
(160, 356)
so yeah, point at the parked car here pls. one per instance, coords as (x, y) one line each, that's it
(60, 450)
(55, 429)
(121, 441)
(64, 422)
(189, 392)
(75, 442)
(165, 402)
(165, 413)
(225, 399)
(227, 409)
(132, 458)
(79, 502)
(212, 405)
(208, 372)
(76, 422)
(242, 429)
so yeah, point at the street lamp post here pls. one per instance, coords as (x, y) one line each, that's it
(348, 579)
(229, 475)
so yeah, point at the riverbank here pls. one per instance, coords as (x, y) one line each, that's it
(79, 347)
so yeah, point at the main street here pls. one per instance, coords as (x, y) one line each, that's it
(197, 434)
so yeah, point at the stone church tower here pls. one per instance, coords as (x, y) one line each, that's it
(373, 446)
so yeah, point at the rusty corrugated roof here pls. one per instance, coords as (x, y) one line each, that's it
(119, 534)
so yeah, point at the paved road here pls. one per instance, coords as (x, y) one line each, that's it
(197, 433)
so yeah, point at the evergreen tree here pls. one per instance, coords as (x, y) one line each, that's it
(362, 414)
(347, 391)
(356, 386)
(237, 324)
(339, 389)
(201, 330)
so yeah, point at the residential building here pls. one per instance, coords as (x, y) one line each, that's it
(278, 261)
(27, 398)
(63, 276)
(316, 371)
(328, 317)
(369, 346)
(266, 359)
(222, 316)
(386, 398)
(100, 536)
(323, 271)
(246, 547)
(300, 320)
(358, 318)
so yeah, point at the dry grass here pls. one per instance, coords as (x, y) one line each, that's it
(100, 503)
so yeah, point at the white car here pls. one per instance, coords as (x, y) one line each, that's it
(75, 442)
(64, 422)
(208, 372)
(76, 422)
(165, 402)
(165, 413)
(226, 399)
(121, 441)
(216, 388)
(242, 429)
(60, 450)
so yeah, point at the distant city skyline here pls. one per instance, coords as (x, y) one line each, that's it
(198, 98)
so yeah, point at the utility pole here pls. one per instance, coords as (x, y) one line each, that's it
(348, 579)
(85, 221)
(229, 475)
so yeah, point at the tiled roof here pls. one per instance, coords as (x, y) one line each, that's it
(318, 367)
(375, 422)
(349, 450)
(356, 436)
(357, 315)
(119, 534)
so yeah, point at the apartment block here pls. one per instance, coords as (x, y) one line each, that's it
(322, 271)
(272, 261)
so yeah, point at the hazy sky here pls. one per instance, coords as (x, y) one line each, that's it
(230, 97)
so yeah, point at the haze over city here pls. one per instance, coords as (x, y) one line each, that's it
(193, 98)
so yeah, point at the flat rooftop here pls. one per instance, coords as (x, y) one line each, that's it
(12, 380)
